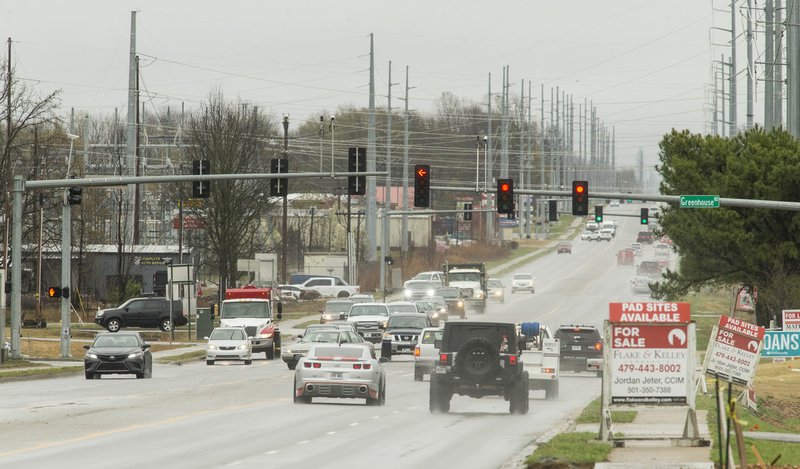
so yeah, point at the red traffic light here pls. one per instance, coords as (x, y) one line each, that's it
(579, 189)
(423, 171)
(504, 187)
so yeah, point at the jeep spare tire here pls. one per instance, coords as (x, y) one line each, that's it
(477, 358)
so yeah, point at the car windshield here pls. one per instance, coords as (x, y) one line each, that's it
(227, 334)
(429, 337)
(368, 310)
(334, 352)
(495, 284)
(338, 307)
(465, 277)
(422, 276)
(117, 340)
(246, 309)
(449, 293)
(418, 285)
(407, 321)
(330, 336)
(402, 308)
(523, 276)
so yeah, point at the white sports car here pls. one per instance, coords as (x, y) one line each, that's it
(344, 370)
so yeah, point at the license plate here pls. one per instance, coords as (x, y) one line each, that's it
(336, 375)
(576, 347)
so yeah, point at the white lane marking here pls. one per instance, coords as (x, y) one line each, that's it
(376, 417)
(408, 374)
(354, 424)
(303, 442)
(395, 411)
(234, 463)
(274, 451)
(331, 433)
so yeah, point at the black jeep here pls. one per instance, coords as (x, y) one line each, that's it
(479, 359)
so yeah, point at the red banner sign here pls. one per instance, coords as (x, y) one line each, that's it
(650, 312)
(647, 336)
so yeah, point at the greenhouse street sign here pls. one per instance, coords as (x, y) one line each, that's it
(699, 201)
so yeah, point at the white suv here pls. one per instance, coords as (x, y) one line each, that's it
(523, 281)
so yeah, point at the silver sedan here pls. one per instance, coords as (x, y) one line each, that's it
(344, 371)
(332, 335)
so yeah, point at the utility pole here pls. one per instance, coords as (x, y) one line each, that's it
(529, 164)
(387, 189)
(130, 143)
(284, 227)
(749, 66)
(372, 208)
(489, 166)
(8, 204)
(733, 70)
(404, 228)
(769, 55)
(793, 66)
(777, 120)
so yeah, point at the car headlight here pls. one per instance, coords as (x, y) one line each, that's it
(460, 304)
(266, 336)
(289, 351)
(431, 292)
(435, 315)
(242, 347)
(212, 347)
(136, 355)
(387, 336)
(385, 324)
(91, 355)
(327, 316)
(407, 293)
(99, 313)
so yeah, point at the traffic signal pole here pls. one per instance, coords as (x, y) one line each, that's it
(66, 268)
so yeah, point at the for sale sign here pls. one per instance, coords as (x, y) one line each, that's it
(791, 319)
(734, 350)
(649, 364)
(649, 359)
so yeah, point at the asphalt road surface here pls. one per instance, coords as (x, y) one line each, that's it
(243, 416)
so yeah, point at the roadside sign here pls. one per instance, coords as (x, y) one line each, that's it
(699, 201)
(733, 350)
(781, 344)
(648, 353)
(649, 364)
(791, 319)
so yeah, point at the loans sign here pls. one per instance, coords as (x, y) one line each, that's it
(781, 344)
(733, 350)
(649, 359)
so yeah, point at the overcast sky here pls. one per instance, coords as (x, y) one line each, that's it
(644, 63)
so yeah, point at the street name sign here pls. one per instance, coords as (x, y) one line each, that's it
(699, 201)
(648, 353)
(734, 350)
(781, 344)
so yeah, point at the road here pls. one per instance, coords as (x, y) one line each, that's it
(243, 416)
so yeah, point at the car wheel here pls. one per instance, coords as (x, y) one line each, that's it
(166, 325)
(386, 351)
(209, 362)
(140, 375)
(418, 373)
(343, 294)
(299, 399)
(114, 325)
(96, 376)
(271, 352)
(382, 397)
(518, 399)
(292, 365)
(149, 373)
(248, 362)
(89, 375)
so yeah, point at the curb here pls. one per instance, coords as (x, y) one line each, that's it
(518, 460)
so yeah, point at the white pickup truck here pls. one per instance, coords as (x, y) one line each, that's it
(540, 352)
(329, 286)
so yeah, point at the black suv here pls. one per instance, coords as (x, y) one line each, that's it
(578, 344)
(479, 359)
(142, 312)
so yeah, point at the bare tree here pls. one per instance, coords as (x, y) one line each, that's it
(235, 140)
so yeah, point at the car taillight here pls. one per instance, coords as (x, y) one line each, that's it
(598, 346)
(306, 364)
(317, 365)
(356, 366)
(367, 366)
(444, 358)
(416, 351)
(512, 359)
(548, 370)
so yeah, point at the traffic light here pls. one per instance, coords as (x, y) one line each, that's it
(74, 195)
(201, 189)
(552, 212)
(644, 218)
(54, 292)
(279, 187)
(598, 214)
(422, 185)
(467, 212)
(580, 197)
(505, 196)
(357, 163)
